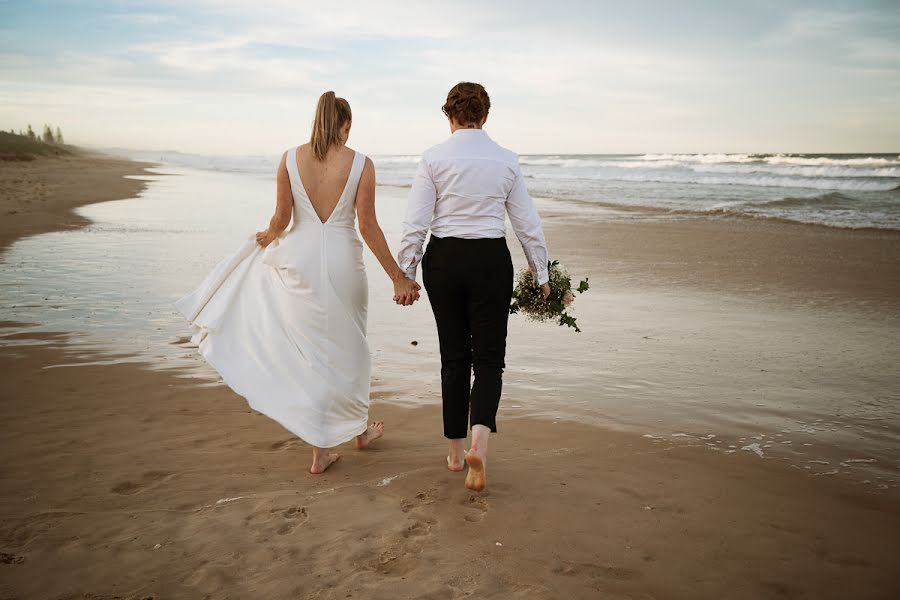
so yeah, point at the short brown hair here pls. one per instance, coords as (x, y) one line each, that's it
(331, 114)
(467, 103)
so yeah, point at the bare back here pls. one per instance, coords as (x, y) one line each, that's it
(324, 181)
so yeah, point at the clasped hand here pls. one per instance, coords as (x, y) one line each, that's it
(264, 238)
(406, 291)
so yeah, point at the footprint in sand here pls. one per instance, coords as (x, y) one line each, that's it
(401, 543)
(475, 508)
(422, 498)
(401, 555)
(418, 528)
(11, 559)
(293, 518)
(280, 521)
(283, 444)
(148, 480)
(596, 571)
(420, 522)
(395, 562)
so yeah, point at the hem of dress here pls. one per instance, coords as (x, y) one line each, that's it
(198, 338)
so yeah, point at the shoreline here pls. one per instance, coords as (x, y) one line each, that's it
(41, 195)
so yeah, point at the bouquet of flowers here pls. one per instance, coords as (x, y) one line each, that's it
(528, 298)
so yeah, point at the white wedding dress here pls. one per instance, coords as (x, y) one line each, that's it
(285, 325)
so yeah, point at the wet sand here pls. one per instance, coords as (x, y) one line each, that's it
(39, 195)
(125, 482)
(756, 258)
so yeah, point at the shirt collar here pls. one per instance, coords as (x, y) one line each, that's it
(469, 131)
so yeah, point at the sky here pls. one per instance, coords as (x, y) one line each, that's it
(239, 77)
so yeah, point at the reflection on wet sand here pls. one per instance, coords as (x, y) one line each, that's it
(784, 371)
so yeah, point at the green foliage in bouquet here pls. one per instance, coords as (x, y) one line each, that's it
(528, 298)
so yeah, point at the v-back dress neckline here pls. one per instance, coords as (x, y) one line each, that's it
(285, 325)
(309, 201)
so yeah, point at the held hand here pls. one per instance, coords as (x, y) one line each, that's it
(264, 238)
(406, 291)
(546, 289)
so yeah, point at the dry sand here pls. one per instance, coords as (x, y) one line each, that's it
(122, 482)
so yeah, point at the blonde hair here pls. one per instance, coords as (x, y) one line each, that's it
(331, 114)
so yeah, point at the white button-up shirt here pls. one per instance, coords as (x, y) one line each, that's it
(464, 188)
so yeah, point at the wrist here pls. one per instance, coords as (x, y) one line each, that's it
(398, 275)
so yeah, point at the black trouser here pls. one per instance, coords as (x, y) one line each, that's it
(469, 284)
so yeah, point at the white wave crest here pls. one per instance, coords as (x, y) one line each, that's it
(825, 183)
(800, 170)
(702, 158)
(776, 159)
(567, 162)
(815, 161)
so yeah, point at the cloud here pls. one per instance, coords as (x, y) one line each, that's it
(235, 62)
(566, 76)
(813, 25)
(859, 38)
(312, 24)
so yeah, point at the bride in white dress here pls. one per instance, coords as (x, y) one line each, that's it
(283, 320)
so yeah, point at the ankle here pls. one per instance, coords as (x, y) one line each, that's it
(479, 444)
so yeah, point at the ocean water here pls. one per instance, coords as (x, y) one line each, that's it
(667, 364)
(836, 190)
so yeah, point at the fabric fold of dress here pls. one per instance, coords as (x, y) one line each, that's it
(285, 325)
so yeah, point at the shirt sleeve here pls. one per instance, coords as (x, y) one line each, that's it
(527, 224)
(419, 215)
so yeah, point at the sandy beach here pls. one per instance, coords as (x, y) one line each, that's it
(755, 257)
(38, 196)
(122, 481)
(129, 483)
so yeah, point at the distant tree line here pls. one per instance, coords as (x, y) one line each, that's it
(48, 136)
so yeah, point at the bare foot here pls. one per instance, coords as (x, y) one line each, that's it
(456, 455)
(323, 461)
(455, 463)
(475, 478)
(374, 431)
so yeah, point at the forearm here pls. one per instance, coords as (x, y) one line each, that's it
(419, 215)
(374, 239)
(411, 249)
(526, 223)
(278, 223)
(535, 249)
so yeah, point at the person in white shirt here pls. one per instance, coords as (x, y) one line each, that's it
(463, 190)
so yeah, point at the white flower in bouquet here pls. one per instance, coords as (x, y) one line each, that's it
(528, 298)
